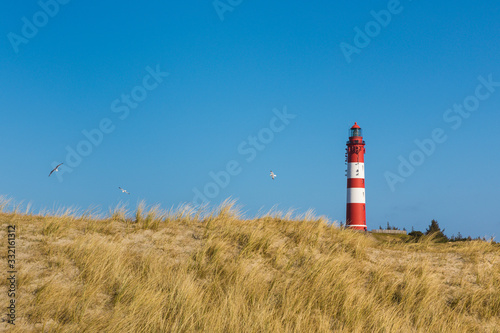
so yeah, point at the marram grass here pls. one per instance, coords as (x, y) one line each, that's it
(183, 271)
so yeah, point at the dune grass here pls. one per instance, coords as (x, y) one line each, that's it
(213, 271)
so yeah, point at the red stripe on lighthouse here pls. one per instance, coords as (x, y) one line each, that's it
(357, 215)
(355, 182)
(357, 157)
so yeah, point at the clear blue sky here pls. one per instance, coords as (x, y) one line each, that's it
(228, 68)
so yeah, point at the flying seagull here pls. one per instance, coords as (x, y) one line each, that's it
(272, 175)
(123, 190)
(56, 168)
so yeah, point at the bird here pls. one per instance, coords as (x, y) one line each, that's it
(56, 168)
(272, 175)
(123, 190)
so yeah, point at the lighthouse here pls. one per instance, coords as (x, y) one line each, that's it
(355, 159)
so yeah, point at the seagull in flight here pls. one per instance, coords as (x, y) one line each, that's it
(272, 175)
(56, 168)
(123, 190)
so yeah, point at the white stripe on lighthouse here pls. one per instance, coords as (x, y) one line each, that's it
(355, 170)
(355, 195)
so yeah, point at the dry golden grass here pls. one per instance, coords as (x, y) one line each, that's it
(179, 271)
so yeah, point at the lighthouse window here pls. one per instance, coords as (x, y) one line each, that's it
(356, 132)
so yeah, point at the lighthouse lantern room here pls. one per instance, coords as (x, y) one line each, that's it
(355, 152)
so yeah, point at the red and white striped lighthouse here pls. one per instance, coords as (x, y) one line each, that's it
(355, 159)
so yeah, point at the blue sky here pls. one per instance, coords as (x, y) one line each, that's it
(282, 73)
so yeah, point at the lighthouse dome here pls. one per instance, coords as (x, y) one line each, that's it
(355, 130)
